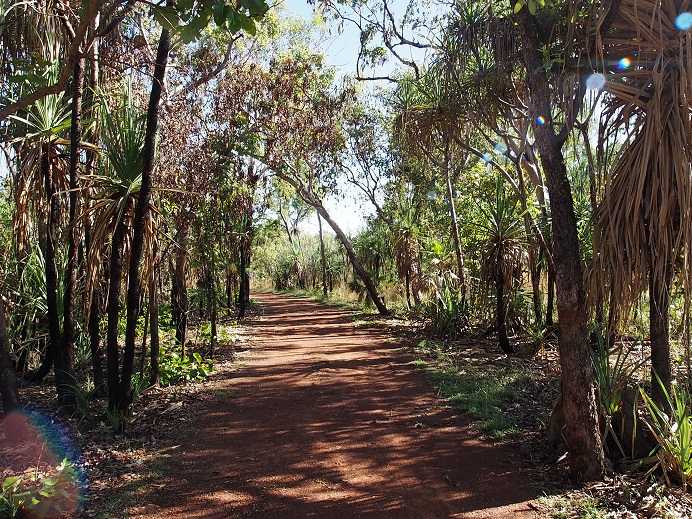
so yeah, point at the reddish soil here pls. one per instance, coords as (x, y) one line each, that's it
(328, 419)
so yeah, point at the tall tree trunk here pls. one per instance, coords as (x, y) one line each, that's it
(9, 391)
(323, 256)
(455, 227)
(54, 336)
(139, 224)
(578, 397)
(659, 311)
(245, 247)
(95, 306)
(155, 348)
(115, 271)
(65, 360)
(179, 299)
(534, 267)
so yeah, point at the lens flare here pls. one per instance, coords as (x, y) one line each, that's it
(45, 443)
(624, 63)
(684, 21)
(541, 120)
(500, 149)
(487, 158)
(596, 82)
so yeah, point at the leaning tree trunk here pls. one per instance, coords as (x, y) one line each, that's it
(355, 261)
(9, 391)
(124, 397)
(659, 311)
(323, 256)
(308, 198)
(578, 397)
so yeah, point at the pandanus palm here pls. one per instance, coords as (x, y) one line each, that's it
(115, 193)
(429, 118)
(40, 164)
(503, 253)
(644, 223)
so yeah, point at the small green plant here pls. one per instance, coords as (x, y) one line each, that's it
(611, 379)
(41, 495)
(445, 309)
(482, 394)
(673, 433)
(577, 505)
(175, 368)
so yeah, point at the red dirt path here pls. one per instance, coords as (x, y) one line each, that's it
(328, 420)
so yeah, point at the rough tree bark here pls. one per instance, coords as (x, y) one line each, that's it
(51, 271)
(659, 312)
(578, 397)
(64, 361)
(124, 393)
(113, 312)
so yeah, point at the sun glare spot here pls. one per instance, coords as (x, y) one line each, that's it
(596, 82)
(684, 21)
(500, 149)
(624, 63)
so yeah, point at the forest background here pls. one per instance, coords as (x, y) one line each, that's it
(526, 169)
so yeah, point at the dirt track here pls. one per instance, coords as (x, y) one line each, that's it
(329, 420)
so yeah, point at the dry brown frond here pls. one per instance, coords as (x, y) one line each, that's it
(644, 223)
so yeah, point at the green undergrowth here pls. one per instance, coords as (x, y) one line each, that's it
(482, 392)
(572, 507)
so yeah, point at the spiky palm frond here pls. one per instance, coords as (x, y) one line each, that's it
(114, 191)
(503, 252)
(35, 133)
(644, 223)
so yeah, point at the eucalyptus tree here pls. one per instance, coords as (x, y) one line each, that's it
(290, 120)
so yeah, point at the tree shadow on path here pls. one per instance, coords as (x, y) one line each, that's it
(329, 420)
